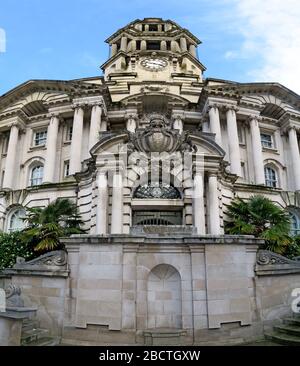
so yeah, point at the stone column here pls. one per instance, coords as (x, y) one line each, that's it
(193, 50)
(258, 162)
(95, 125)
(123, 46)
(117, 204)
(163, 45)
(233, 141)
(10, 165)
(183, 44)
(177, 124)
(143, 45)
(103, 125)
(174, 46)
(198, 203)
(214, 122)
(102, 204)
(133, 45)
(294, 146)
(114, 49)
(131, 122)
(50, 159)
(213, 201)
(75, 160)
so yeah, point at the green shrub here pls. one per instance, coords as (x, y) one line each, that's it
(11, 247)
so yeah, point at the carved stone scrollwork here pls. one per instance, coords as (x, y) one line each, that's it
(13, 296)
(266, 257)
(159, 137)
(12, 290)
(55, 258)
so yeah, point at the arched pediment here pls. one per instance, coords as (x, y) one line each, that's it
(116, 143)
(206, 145)
(153, 99)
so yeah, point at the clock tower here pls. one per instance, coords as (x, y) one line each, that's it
(153, 54)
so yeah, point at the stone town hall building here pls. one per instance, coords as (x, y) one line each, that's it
(151, 152)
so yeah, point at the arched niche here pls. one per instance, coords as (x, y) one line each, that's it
(164, 298)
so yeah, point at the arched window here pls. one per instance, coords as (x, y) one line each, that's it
(159, 213)
(37, 174)
(271, 177)
(157, 190)
(295, 222)
(16, 220)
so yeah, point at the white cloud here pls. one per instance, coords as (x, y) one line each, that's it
(271, 31)
(2, 40)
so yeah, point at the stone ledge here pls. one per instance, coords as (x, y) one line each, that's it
(52, 264)
(273, 264)
(178, 239)
(49, 272)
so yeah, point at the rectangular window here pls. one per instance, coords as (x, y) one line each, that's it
(5, 143)
(153, 45)
(153, 27)
(69, 132)
(40, 138)
(2, 178)
(241, 135)
(266, 140)
(243, 170)
(270, 177)
(66, 168)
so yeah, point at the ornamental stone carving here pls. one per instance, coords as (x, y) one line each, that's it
(55, 258)
(266, 257)
(159, 137)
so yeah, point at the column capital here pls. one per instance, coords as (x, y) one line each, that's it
(212, 174)
(82, 105)
(213, 106)
(177, 116)
(97, 104)
(56, 115)
(231, 107)
(20, 126)
(133, 116)
(254, 117)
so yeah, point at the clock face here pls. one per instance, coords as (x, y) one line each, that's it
(154, 64)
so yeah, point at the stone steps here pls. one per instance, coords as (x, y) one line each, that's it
(287, 333)
(29, 324)
(32, 335)
(45, 341)
(288, 329)
(291, 321)
(284, 339)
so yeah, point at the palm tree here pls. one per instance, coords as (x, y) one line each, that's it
(260, 217)
(46, 225)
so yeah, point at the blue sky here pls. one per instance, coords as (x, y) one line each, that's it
(243, 40)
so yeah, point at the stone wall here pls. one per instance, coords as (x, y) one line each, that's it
(44, 284)
(117, 289)
(128, 284)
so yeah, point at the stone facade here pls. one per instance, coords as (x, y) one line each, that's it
(152, 153)
(156, 290)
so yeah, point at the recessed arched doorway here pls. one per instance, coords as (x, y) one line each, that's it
(164, 297)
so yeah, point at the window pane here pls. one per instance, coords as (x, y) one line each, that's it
(37, 175)
(66, 168)
(270, 177)
(17, 220)
(266, 140)
(40, 138)
(295, 224)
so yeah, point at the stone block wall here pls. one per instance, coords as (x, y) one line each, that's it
(48, 295)
(215, 289)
